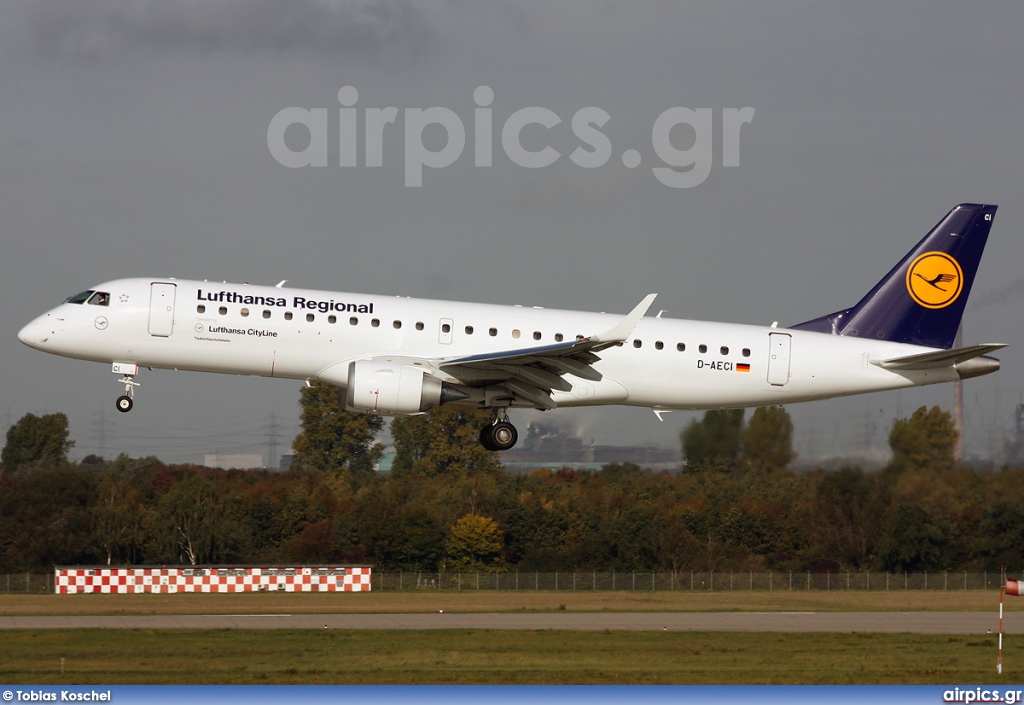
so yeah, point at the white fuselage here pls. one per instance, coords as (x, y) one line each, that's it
(300, 334)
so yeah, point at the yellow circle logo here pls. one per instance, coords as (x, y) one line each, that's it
(935, 280)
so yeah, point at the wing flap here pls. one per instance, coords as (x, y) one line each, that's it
(572, 366)
(540, 378)
(534, 394)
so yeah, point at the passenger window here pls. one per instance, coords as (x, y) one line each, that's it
(375, 322)
(746, 352)
(724, 350)
(200, 309)
(446, 328)
(536, 335)
(681, 347)
(266, 313)
(287, 315)
(638, 343)
(659, 345)
(223, 310)
(245, 313)
(419, 325)
(332, 319)
(559, 337)
(396, 325)
(516, 333)
(492, 332)
(469, 330)
(310, 318)
(702, 348)
(100, 298)
(353, 321)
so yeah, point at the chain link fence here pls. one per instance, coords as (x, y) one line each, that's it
(26, 582)
(632, 580)
(686, 581)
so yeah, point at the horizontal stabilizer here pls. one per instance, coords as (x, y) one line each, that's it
(941, 358)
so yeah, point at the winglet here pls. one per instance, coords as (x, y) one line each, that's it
(625, 327)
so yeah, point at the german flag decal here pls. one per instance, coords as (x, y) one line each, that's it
(742, 367)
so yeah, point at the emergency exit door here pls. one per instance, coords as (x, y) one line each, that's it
(161, 309)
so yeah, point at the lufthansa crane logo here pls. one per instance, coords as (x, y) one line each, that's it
(935, 280)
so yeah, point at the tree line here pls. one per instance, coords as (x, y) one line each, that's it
(736, 504)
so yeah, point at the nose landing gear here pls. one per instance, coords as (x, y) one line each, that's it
(126, 401)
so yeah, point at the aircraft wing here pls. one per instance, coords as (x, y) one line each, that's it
(941, 358)
(531, 374)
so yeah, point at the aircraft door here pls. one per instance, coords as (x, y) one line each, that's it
(161, 309)
(444, 331)
(778, 358)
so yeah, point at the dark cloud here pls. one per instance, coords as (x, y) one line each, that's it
(106, 29)
(872, 120)
(1006, 294)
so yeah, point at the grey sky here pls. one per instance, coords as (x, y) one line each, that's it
(133, 138)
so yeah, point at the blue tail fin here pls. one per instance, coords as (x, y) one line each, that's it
(922, 299)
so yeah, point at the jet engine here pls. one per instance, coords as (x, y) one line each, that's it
(395, 389)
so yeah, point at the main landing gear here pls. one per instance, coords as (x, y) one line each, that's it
(125, 402)
(500, 434)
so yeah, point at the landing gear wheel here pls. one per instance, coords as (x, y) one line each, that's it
(124, 404)
(485, 438)
(499, 436)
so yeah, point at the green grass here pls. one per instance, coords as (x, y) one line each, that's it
(497, 657)
(487, 656)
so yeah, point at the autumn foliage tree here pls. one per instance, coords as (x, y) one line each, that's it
(452, 513)
(474, 544)
(442, 442)
(36, 439)
(332, 439)
(925, 440)
(716, 438)
(768, 439)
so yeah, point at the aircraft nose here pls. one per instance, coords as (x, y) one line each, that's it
(24, 335)
(32, 335)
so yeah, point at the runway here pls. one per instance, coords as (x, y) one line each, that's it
(891, 622)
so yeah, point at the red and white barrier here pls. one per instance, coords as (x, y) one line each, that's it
(212, 579)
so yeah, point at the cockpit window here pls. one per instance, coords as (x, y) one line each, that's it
(100, 298)
(80, 298)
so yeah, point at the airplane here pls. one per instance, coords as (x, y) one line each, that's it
(402, 356)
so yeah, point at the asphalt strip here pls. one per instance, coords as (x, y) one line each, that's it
(882, 622)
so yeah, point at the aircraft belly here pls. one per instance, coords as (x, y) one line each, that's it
(587, 393)
(217, 355)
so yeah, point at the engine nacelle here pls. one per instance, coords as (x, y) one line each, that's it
(390, 388)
